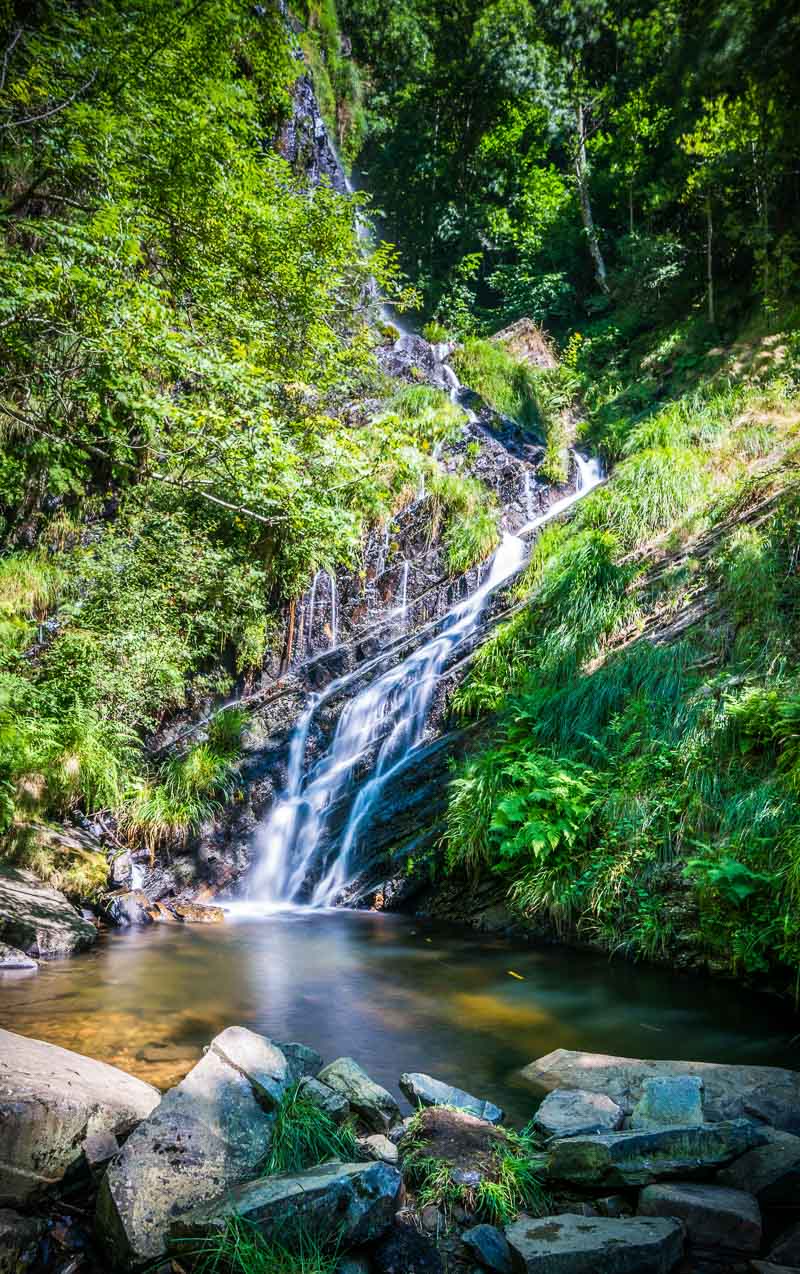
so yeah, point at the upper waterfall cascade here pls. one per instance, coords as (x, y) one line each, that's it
(298, 860)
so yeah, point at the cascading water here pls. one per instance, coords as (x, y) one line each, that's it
(590, 474)
(389, 713)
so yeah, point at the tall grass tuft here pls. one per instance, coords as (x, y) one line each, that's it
(304, 1135)
(465, 514)
(241, 1249)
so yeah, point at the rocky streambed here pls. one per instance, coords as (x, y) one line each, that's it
(625, 1166)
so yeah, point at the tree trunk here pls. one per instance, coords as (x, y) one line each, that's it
(712, 318)
(582, 175)
(630, 208)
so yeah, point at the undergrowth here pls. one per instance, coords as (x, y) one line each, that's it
(304, 1135)
(644, 702)
(241, 1249)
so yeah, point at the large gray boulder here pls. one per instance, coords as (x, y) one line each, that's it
(39, 920)
(638, 1158)
(375, 1106)
(355, 1201)
(208, 1134)
(572, 1112)
(327, 1099)
(730, 1092)
(716, 1218)
(770, 1171)
(594, 1245)
(51, 1100)
(424, 1090)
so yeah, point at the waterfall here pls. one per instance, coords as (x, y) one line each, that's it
(590, 474)
(311, 601)
(390, 713)
(528, 496)
(404, 591)
(334, 611)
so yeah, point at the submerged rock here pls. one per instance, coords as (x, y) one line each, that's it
(198, 913)
(594, 1245)
(374, 1105)
(638, 1158)
(715, 1218)
(572, 1112)
(426, 1091)
(355, 1201)
(12, 958)
(51, 1100)
(208, 1134)
(731, 1092)
(37, 919)
(669, 1101)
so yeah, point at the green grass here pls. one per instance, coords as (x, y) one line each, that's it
(464, 513)
(240, 1249)
(507, 384)
(304, 1135)
(511, 1183)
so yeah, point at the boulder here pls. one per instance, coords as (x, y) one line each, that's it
(638, 1158)
(51, 1100)
(129, 907)
(374, 1106)
(379, 1147)
(594, 1245)
(12, 958)
(423, 1090)
(467, 1144)
(208, 1134)
(19, 1235)
(302, 1060)
(333, 1103)
(669, 1101)
(490, 1247)
(353, 1265)
(770, 1171)
(405, 1251)
(786, 1248)
(355, 1201)
(730, 1092)
(716, 1218)
(39, 920)
(198, 913)
(573, 1112)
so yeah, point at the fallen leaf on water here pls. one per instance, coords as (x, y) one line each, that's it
(512, 974)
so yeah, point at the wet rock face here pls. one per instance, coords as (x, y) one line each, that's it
(423, 1090)
(304, 142)
(38, 920)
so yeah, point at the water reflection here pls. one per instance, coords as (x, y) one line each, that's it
(395, 993)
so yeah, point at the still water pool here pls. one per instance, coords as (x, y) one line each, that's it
(395, 993)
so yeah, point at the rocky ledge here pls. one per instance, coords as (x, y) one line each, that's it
(626, 1166)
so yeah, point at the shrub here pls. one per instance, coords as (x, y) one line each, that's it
(464, 513)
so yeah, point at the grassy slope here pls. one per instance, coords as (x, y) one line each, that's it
(647, 696)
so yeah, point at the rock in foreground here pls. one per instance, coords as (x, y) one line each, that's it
(717, 1219)
(39, 920)
(574, 1113)
(51, 1100)
(375, 1106)
(354, 1200)
(639, 1158)
(423, 1090)
(12, 958)
(731, 1092)
(207, 1135)
(594, 1245)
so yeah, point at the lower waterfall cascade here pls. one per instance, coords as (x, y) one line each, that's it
(297, 862)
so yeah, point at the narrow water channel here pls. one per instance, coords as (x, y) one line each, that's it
(398, 994)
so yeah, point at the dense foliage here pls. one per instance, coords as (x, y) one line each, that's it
(563, 158)
(182, 326)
